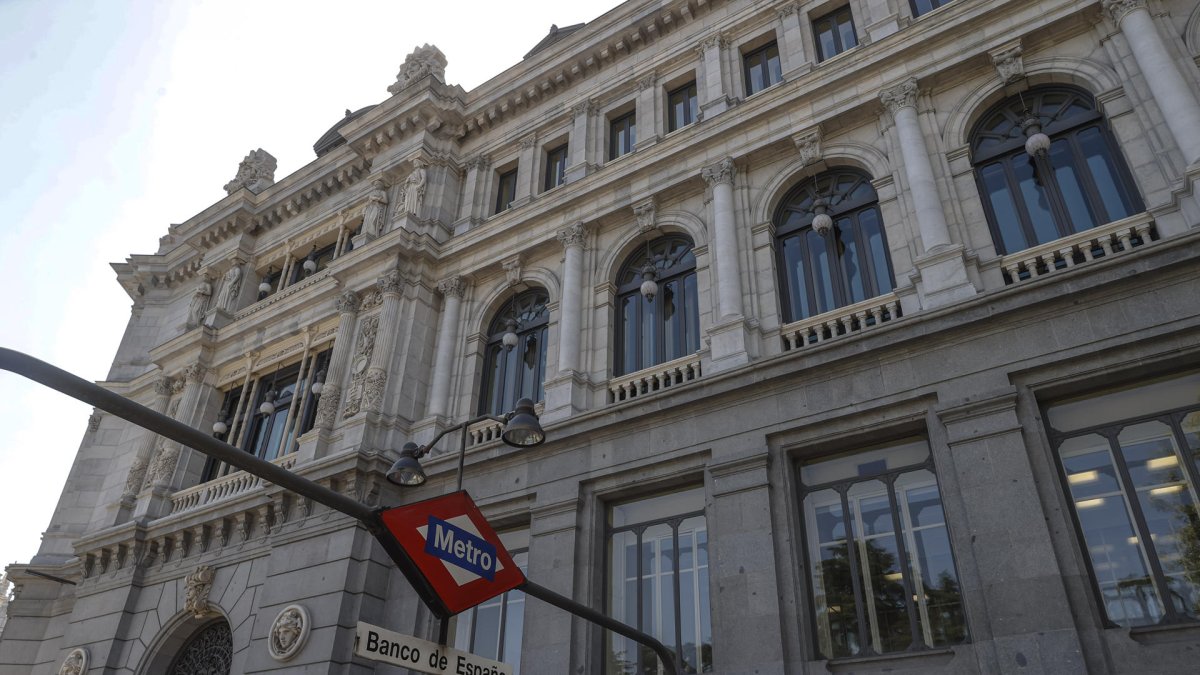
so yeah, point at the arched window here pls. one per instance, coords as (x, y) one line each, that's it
(1078, 182)
(667, 327)
(512, 374)
(847, 264)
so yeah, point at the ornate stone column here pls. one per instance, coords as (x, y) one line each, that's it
(155, 499)
(1176, 100)
(470, 209)
(331, 394)
(792, 56)
(711, 85)
(144, 453)
(527, 173)
(375, 384)
(942, 268)
(452, 290)
(571, 309)
(719, 177)
(579, 153)
(647, 116)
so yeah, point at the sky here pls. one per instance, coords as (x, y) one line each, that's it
(119, 117)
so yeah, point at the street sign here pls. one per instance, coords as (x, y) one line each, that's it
(422, 656)
(455, 549)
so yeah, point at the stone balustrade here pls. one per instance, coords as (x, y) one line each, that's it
(840, 322)
(657, 378)
(1078, 249)
(483, 432)
(213, 491)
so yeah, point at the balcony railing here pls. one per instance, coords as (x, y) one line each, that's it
(1078, 249)
(236, 483)
(489, 430)
(842, 321)
(657, 378)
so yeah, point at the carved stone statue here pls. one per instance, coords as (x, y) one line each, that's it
(256, 173)
(373, 214)
(76, 662)
(199, 304)
(289, 632)
(424, 60)
(414, 189)
(199, 585)
(231, 287)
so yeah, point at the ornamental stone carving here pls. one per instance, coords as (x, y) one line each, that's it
(512, 270)
(414, 190)
(209, 653)
(710, 42)
(572, 235)
(256, 173)
(586, 107)
(423, 61)
(289, 632)
(94, 422)
(347, 302)
(195, 373)
(164, 463)
(479, 162)
(162, 387)
(1119, 9)
(231, 288)
(903, 95)
(373, 386)
(646, 214)
(199, 303)
(76, 662)
(1008, 63)
(527, 142)
(327, 406)
(376, 208)
(808, 144)
(199, 585)
(647, 81)
(390, 282)
(454, 286)
(358, 366)
(135, 479)
(721, 172)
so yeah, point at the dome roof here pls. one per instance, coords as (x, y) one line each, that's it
(332, 139)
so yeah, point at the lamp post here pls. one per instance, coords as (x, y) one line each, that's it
(521, 430)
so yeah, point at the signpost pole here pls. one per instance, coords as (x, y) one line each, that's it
(91, 393)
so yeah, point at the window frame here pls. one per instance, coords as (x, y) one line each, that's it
(770, 77)
(934, 6)
(555, 173)
(538, 328)
(472, 615)
(627, 120)
(506, 184)
(691, 106)
(324, 256)
(677, 271)
(832, 17)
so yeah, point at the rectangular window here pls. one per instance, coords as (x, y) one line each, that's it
(556, 167)
(658, 582)
(834, 33)
(1130, 462)
(494, 629)
(622, 134)
(884, 578)
(920, 7)
(682, 107)
(321, 258)
(762, 68)
(506, 190)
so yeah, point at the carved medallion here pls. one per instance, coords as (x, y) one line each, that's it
(289, 632)
(76, 662)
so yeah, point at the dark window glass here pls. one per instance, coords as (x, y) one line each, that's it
(920, 7)
(272, 277)
(321, 256)
(556, 167)
(622, 135)
(513, 374)
(650, 332)
(834, 33)
(494, 629)
(762, 68)
(682, 106)
(1129, 462)
(506, 190)
(848, 265)
(884, 576)
(1079, 183)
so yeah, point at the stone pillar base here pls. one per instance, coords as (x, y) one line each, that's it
(153, 502)
(731, 343)
(942, 277)
(566, 395)
(360, 240)
(218, 318)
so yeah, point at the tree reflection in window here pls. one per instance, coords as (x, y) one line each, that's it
(510, 375)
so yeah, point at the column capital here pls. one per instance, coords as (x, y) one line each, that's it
(348, 302)
(1117, 10)
(479, 162)
(572, 235)
(900, 96)
(647, 81)
(808, 144)
(711, 41)
(195, 372)
(453, 286)
(527, 142)
(586, 108)
(647, 214)
(1008, 62)
(721, 172)
(163, 386)
(786, 10)
(390, 283)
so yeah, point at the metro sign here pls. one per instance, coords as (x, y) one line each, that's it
(454, 549)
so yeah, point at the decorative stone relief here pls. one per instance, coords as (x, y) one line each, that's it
(512, 270)
(390, 282)
(721, 172)
(94, 421)
(256, 173)
(209, 653)
(373, 214)
(347, 302)
(455, 286)
(647, 81)
(479, 162)
(327, 406)
(646, 214)
(808, 144)
(414, 190)
(76, 662)
(371, 299)
(164, 462)
(1008, 63)
(231, 287)
(588, 107)
(135, 479)
(903, 95)
(1117, 9)
(527, 142)
(195, 373)
(289, 632)
(199, 585)
(572, 235)
(358, 366)
(373, 386)
(199, 304)
(423, 61)
(163, 387)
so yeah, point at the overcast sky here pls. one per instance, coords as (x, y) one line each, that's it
(123, 116)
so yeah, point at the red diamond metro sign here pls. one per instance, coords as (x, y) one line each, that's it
(455, 549)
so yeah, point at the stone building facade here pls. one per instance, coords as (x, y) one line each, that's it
(864, 334)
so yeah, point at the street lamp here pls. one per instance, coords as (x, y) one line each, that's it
(521, 430)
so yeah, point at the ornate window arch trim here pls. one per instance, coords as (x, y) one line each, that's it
(500, 293)
(176, 634)
(866, 158)
(667, 222)
(1191, 33)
